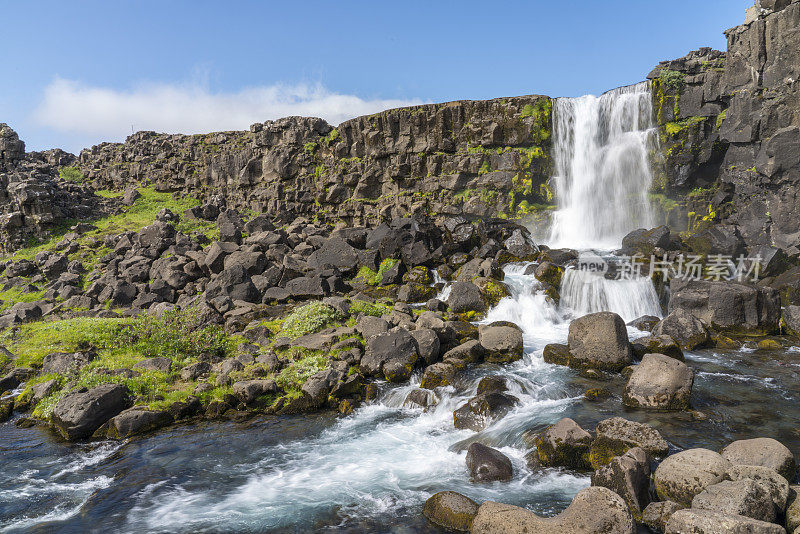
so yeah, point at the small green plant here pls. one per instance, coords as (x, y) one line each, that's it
(373, 278)
(308, 319)
(71, 174)
(673, 80)
(310, 147)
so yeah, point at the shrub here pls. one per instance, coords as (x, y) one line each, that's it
(71, 174)
(309, 319)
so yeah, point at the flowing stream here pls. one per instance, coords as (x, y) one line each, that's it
(372, 471)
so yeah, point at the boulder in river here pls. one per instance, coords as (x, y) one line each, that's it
(599, 341)
(81, 412)
(135, 421)
(616, 435)
(451, 511)
(481, 410)
(593, 510)
(486, 464)
(465, 297)
(564, 444)
(501, 343)
(391, 355)
(766, 452)
(686, 329)
(659, 383)
(437, 375)
(683, 475)
(709, 522)
(662, 344)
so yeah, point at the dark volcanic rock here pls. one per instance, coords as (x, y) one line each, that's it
(80, 413)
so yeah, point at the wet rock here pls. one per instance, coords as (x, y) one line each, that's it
(482, 410)
(766, 452)
(683, 475)
(708, 522)
(556, 353)
(593, 510)
(248, 391)
(599, 341)
(645, 322)
(420, 398)
(80, 413)
(564, 444)
(684, 328)
(644, 241)
(617, 435)
(629, 477)
(656, 515)
(465, 297)
(486, 464)
(662, 344)
(135, 421)
(659, 383)
(437, 375)
(450, 510)
(492, 384)
(737, 497)
(469, 352)
(391, 354)
(501, 343)
(162, 365)
(549, 273)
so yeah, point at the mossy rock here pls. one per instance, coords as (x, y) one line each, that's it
(769, 344)
(604, 449)
(419, 275)
(451, 511)
(556, 353)
(596, 394)
(493, 291)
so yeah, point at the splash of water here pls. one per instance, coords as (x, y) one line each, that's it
(600, 148)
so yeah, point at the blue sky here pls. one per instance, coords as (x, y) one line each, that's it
(77, 73)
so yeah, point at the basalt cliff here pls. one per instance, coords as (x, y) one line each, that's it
(729, 155)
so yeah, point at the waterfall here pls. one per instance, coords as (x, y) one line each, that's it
(587, 292)
(602, 172)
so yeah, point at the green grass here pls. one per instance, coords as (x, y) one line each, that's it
(308, 319)
(676, 127)
(71, 174)
(9, 297)
(367, 275)
(296, 373)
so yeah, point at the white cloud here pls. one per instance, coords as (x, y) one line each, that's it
(107, 114)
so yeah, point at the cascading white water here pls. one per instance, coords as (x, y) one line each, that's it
(600, 148)
(586, 292)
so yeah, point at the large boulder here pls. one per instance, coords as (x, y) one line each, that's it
(645, 241)
(135, 421)
(593, 510)
(599, 341)
(437, 375)
(391, 355)
(659, 383)
(335, 252)
(564, 444)
(684, 328)
(615, 436)
(708, 522)
(486, 464)
(451, 511)
(737, 497)
(235, 283)
(662, 344)
(629, 477)
(66, 363)
(501, 343)
(728, 306)
(683, 475)
(81, 412)
(766, 452)
(465, 297)
(773, 483)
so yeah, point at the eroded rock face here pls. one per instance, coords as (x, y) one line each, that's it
(683, 475)
(592, 510)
